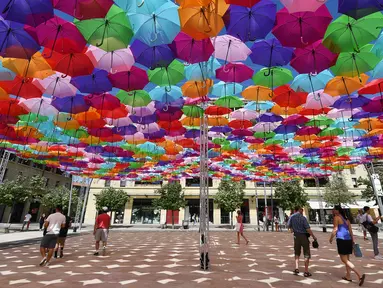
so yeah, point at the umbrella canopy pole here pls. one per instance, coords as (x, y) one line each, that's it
(322, 216)
(204, 192)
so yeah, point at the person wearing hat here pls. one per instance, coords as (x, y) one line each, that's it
(101, 229)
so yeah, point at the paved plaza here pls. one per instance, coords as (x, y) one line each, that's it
(171, 259)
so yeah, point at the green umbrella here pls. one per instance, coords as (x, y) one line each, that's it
(273, 142)
(341, 151)
(229, 102)
(221, 141)
(331, 131)
(110, 33)
(130, 147)
(76, 133)
(264, 135)
(193, 111)
(138, 98)
(50, 139)
(320, 121)
(346, 34)
(33, 117)
(277, 76)
(353, 64)
(167, 76)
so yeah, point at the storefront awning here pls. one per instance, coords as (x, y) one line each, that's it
(358, 204)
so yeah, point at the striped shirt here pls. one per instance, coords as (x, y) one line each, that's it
(298, 223)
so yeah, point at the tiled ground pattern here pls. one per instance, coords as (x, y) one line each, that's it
(171, 259)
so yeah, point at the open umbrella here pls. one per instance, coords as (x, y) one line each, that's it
(358, 9)
(156, 28)
(167, 76)
(110, 33)
(152, 57)
(302, 5)
(272, 77)
(57, 86)
(40, 106)
(71, 104)
(350, 102)
(301, 28)
(6, 74)
(22, 87)
(114, 61)
(234, 72)
(319, 100)
(97, 82)
(133, 79)
(84, 9)
(137, 98)
(251, 22)
(284, 96)
(230, 49)
(311, 82)
(140, 6)
(342, 85)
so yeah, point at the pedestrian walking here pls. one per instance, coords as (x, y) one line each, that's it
(27, 221)
(344, 241)
(369, 224)
(101, 229)
(42, 220)
(276, 222)
(53, 225)
(62, 236)
(360, 226)
(302, 231)
(194, 218)
(239, 227)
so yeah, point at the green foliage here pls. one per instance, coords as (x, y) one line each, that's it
(60, 196)
(37, 186)
(171, 197)
(290, 195)
(230, 195)
(114, 199)
(368, 192)
(337, 193)
(15, 191)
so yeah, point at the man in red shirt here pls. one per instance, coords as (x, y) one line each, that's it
(101, 229)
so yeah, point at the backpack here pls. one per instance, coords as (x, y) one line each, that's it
(370, 227)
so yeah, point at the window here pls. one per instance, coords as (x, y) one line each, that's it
(354, 182)
(13, 157)
(195, 182)
(123, 183)
(260, 184)
(145, 183)
(310, 182)
(352, 171)
(57, 184)
(107, 183)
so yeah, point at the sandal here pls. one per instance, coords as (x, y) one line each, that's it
(361, 280)
(296, 272)
(345, 279)
(307, 274)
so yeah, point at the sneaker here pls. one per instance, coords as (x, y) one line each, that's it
(43, 262)
(47, 264)
(96, 253)
(378, 257)
(55, 256)
(61, 254)
(104, 247)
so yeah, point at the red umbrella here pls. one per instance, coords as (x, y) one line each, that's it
(217, 110)
(313, 112)
(84, 9)
(134, 79)
(308, 131)
(117, 113)
(234, 72)
(374, 87)
(11, 107)
(295, 119)
(246, 3)
(284, 96)
(21, 87)
(301, 28)
(313, 58)
(103, 101)
(73, 64)
(168, 116)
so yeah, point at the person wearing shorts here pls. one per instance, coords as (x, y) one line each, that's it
(299, 225)
(101, 229)
(52, 224)
(62, 237)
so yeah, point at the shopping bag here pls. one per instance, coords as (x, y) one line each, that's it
(357, 251)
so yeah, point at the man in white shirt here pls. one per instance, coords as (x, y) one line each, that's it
(374, 235)
(53, 225)
(27, 220)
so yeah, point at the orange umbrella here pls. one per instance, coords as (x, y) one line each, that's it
(71, 124)
(374, 132)
(196, 89)
(285, 110)
(257, 93)
(217, 121)
(369, 124)
(342, 85)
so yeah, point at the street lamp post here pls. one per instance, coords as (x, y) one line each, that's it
(322, 214)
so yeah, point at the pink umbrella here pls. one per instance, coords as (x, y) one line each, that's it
(313, 58)
(135, 137)
(40, 106)
(264, 127)
(302, 5)
(342, 113)
(244, 114)
(134, 79)
(234, 72)
(309, 130)
(115, 61)
(56, 85)
(319, 100)
(301, 28)
(148, 128)
(191, 50)
(230, 49)
(295, 119)
(375, 105)
(120, 122)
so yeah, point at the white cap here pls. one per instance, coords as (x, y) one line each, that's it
(105, 209)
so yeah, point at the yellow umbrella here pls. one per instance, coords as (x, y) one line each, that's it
(342, 85)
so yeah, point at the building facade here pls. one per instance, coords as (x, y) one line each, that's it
(258, 198)
(21, 167)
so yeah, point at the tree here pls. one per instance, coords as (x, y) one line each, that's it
(368, 192)
(337, 193)
(13, 192)
(114, 199)
(230, 196)
(60, 196)
(171, 198)
(37, 186)
(290, 195)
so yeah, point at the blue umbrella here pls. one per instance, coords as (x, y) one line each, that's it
(203, 70)
(354, 133)
(15, 42)
(260, 105)
(378, 46)
(161, 95)
(225, 89)
(71, 104)
(252, 23)
(30, 12)
(6, 74)
(152, 57)
(378, 70)
(286, 129)
(343, 123)
(358, 9)
(95, 83)
(309, 83)
(159, 27)
(139, 6)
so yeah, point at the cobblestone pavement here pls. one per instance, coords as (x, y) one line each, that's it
(171, 259)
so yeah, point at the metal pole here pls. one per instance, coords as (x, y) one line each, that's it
(322, 215)
(84, 204)
(272, 207)
(256, 203)
(266, 216)
(70, 196)
(378, 193)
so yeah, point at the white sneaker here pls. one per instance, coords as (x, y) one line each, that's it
(378, 257)
(104, 247)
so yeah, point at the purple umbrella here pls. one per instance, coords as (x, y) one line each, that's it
(193, 133)
(220, 129)
(71, 104)
(191, 50)
(364, 114)
(270, 117)
(309, 130)
(152, 57)
(350, 102)
(15, 42)
(95, 83)
(270, 53)
(286, 129)
(252, 23)
(375, 105)
(155, 135)
(30, 12)
(358, 9)
(143, 119)
(125, 130)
